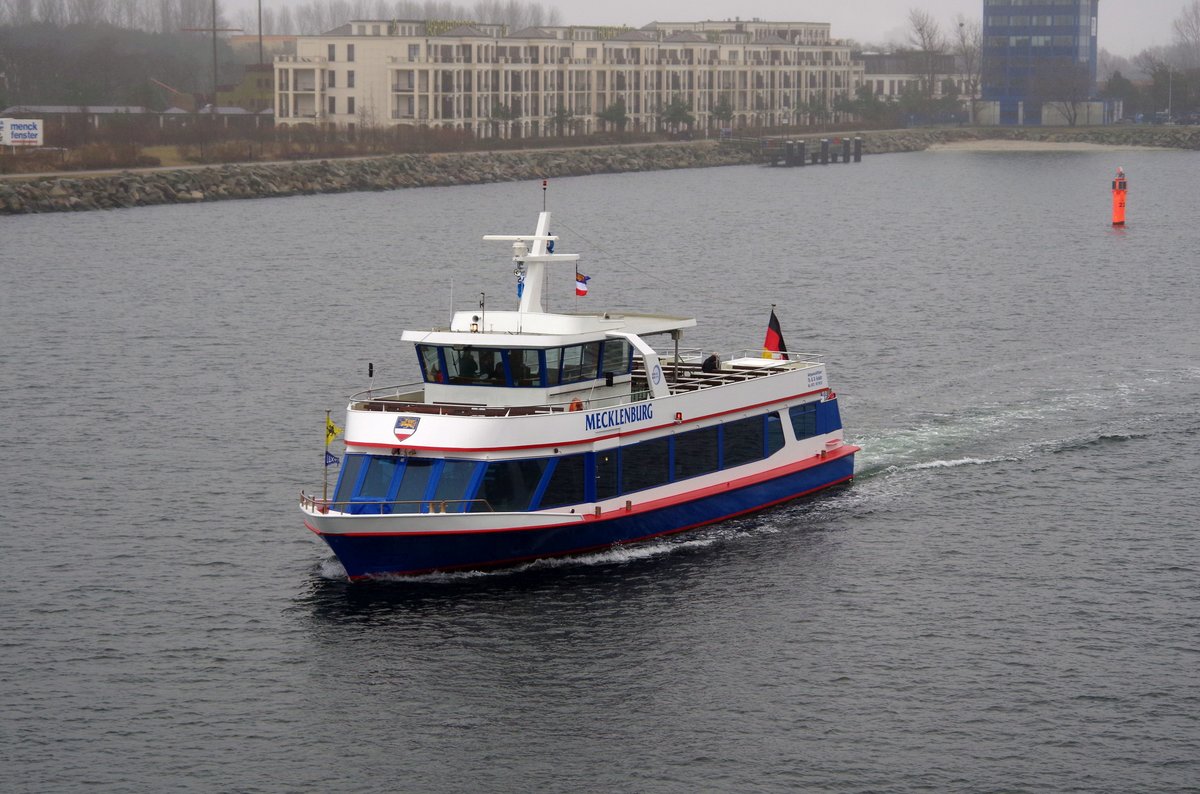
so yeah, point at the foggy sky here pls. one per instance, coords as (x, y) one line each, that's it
(1126, 26)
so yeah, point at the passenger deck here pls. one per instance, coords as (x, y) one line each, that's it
(686, 375)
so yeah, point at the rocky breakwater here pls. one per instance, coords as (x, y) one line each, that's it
(1169, 137)
(187, 185)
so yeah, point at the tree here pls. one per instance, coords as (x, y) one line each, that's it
(1122, 88)
(723, 110)
(1062, 84)
(1187, 35)
(501, 114)
(677, 112)
(925, 34)
(968, 50)
(615, 114)
(816, 108)
(563, 119)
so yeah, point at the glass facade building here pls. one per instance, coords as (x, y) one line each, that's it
(1037, 51)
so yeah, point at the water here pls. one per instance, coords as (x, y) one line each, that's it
(1006, 599)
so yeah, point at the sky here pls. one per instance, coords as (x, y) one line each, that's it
(1126, 27)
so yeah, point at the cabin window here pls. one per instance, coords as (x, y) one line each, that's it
(377, 484)
(413, 483)
(645, 465)
(462, 364)
(553, 364)
(565, 482)
(591, 360)
(508, 485)
(804, 420)
(743, 442)
(605, 473)
(351, 468)
(616, 356)
(431, 367)
(452, 484)
(526, 367)
(572, 363)
(697, 452)
(774, 433)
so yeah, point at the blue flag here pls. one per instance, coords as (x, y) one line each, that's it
(331, 459)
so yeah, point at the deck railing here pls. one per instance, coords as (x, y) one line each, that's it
(687, 374)
(315, 504)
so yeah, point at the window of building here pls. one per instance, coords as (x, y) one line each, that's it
(414, 51)
(350, 79)
(332, 105)
(350, 105)
(332, 53)
(350, 53)
(331, 79)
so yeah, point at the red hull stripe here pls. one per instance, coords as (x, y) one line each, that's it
(560, 444)
(644, 507)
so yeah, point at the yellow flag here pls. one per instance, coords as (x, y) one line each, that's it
(332, 431)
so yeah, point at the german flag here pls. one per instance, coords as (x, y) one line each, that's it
(773, 346)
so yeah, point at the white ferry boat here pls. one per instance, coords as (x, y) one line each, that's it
(538, 434)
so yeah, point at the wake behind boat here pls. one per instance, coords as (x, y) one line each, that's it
(538, 434)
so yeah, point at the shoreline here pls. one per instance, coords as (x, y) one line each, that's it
(997, 145)
(82, 191)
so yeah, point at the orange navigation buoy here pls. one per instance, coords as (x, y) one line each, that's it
(1119, 188)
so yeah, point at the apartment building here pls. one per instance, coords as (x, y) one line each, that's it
(533, 82)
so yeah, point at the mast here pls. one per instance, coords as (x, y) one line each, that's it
(534, 260)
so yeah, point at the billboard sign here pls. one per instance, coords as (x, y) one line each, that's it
(20, 132)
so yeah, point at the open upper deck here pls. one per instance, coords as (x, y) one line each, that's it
(682, 376)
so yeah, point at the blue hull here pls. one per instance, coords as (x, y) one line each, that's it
(367, 556)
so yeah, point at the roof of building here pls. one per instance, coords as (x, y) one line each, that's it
(633, 35)
(686, 36)
(532, 33)
(463, 31)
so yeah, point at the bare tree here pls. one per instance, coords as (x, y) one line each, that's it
(1187, 36)
(925, 34)
(1063, 85)
(968, 50)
